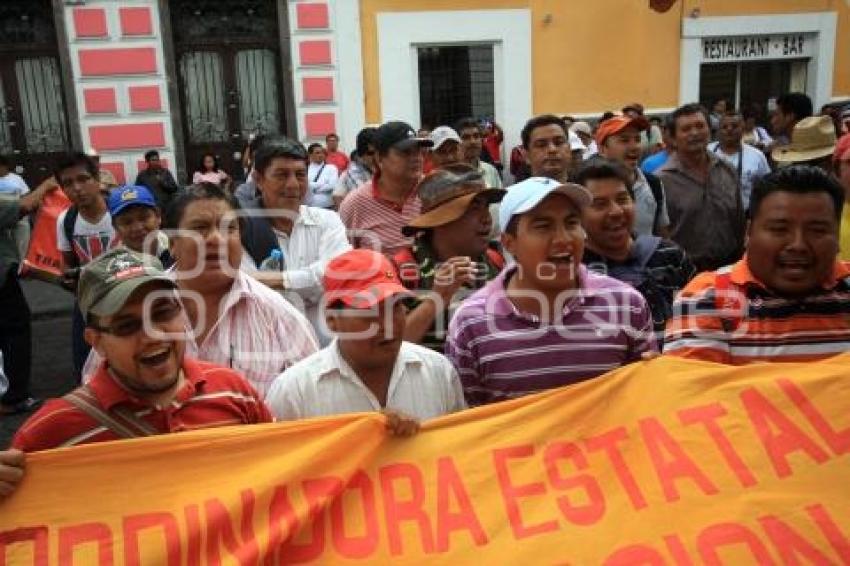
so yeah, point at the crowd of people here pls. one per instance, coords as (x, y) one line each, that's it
(405, 278)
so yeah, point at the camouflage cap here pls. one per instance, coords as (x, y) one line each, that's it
(108, 281)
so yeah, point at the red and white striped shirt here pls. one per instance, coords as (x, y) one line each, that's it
(258, 333)
(374, 222)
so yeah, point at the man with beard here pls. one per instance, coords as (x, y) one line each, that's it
(788, 299)
(703, 194)
(145, 385)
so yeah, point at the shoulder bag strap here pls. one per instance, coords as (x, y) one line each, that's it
(127, 425)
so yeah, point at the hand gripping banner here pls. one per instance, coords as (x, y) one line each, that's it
(667, 462)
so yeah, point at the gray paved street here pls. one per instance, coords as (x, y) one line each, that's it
(51, 330)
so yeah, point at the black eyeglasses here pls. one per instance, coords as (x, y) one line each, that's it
(161, 312)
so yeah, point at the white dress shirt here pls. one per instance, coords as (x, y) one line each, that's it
(317, 237)
(423, 385)
(322, 178)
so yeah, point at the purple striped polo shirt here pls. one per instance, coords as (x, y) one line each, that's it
(502, 353)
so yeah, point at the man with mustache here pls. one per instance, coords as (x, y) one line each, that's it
(788, 299)
(703, 193)
(146, 385)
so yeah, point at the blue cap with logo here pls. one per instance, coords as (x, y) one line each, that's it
(524, 196)
(129, 195)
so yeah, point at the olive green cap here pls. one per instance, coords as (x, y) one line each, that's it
(108, 281)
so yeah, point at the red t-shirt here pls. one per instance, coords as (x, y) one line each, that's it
(338, 160)
(212, 396)
(493, 144)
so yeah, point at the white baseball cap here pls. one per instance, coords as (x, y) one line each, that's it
(443, 134)
(581, 128)
(524, 196)
(575, 142)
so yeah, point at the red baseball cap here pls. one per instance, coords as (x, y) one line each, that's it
(841, 148)
(361, 279)
(617, 124)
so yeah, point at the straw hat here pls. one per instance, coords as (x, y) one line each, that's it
(812, 138)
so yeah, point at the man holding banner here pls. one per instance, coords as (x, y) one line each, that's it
(146, 385)
(368, 366)
(547, 321)
(788, 299)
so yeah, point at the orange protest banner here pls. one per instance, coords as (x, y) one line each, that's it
(666, 462)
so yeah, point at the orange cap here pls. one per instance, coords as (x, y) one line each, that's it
(617, 124)
(361, 279)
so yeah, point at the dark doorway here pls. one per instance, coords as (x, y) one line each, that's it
(749, 85)
(455, 82)
(229, 69)
(33, 118)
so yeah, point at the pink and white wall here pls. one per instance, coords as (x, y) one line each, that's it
(327, 69)
(118, 67)
(120, 82)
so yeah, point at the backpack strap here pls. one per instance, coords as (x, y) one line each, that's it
(120, 421)
(658, 194)
(68, 224)
(258, 237)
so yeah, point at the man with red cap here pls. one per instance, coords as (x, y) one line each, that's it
(619, 139)
(368, 366)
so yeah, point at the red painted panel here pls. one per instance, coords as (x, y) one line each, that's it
(117, 170)
(125, 61)
(317, 124)
(90, 22)
(145, 99)
(315, 52)
(312, 16)
(100, 101)
(318, 89)
(127, 136)
(136, 21)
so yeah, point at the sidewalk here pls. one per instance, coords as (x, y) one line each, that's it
(51, 347)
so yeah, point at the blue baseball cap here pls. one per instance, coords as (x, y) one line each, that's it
(524, 196)
(129, 195)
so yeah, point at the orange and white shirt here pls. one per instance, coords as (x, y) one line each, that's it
(729, 316)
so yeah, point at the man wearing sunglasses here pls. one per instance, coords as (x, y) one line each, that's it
(146, 385)
(375, 212)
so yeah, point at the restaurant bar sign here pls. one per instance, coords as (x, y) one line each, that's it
(758, 47)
